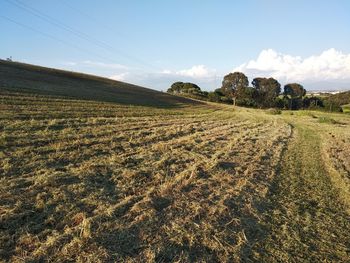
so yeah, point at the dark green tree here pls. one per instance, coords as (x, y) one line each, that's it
(268, 90)
(313, 102)
(232, 83)
(218, 96)
(294, 92)
(181, 87)
(246, 96)
(191, 88)
(214, 97)
(176, 87)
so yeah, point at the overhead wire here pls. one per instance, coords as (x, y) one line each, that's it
(68, 5)
(54, 38)
(75, 32)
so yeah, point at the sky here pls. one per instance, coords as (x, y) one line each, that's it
(157, 42)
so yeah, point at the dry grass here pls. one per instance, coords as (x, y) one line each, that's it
(306, 217)
(98, 181)
(91, 181)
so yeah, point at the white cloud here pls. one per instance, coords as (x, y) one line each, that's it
(203, 76)
(120, 77)
(166, 71)
(331, 65)
(198, 71)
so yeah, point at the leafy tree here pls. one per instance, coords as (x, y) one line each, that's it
(176, 87)
(295, 92)
(233, 82)
(331, 105)
(247, 96)
(214, 96)
(336, 101)
(313, 103)
(219, 92)
(282, 102)
(191, 88)
(218, 96)
(268, 89)
(181, 87)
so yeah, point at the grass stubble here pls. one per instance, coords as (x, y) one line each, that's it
(95, 181)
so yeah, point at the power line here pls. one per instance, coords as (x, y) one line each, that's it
(90, 17)
(55, 38)
(73, 31)
(54, 22)
(68, 5)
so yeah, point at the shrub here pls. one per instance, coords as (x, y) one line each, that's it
(324, 119)
(274, 111)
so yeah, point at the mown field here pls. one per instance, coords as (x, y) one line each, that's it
(101, 181)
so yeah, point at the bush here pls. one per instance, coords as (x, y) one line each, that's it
(226, 100)
(214, 97)
(324, 119)
(274, 111)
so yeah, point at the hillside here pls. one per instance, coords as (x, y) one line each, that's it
(341, 98)
(19, 77)
(94, 170)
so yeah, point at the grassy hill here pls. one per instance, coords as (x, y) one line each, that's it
(93, 170)
(341, 99)
(19, 77)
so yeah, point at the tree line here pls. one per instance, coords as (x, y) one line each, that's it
(263, 93)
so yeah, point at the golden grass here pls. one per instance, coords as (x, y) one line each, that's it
(98, 181)
(93, 181)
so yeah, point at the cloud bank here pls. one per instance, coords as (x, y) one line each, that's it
(203, 76)
(330, 69)
(199, 71)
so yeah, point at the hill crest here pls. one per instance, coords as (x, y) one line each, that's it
(27, 78)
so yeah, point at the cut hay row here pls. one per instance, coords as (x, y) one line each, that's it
(83, 182)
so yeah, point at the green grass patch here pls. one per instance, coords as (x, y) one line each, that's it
(346, 108)
(325, 119)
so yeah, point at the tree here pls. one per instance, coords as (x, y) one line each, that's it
(218, 96)
(268, 89)
(246, 96)
(219, 92)
(176, 87)
(214, 96)
(313, 102)
(191, 88)
(295, 92)
(232, 82)
(181, 87)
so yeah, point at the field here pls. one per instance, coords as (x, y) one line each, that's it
(166, 179)
(346, 108)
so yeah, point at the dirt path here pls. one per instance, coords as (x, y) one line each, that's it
(304, 220)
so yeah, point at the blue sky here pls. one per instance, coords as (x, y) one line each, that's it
(154, 43)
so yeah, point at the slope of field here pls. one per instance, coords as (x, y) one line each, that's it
(341, 98)
(46, 81)
(131, 186)
(99, 181)
(307, 218)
